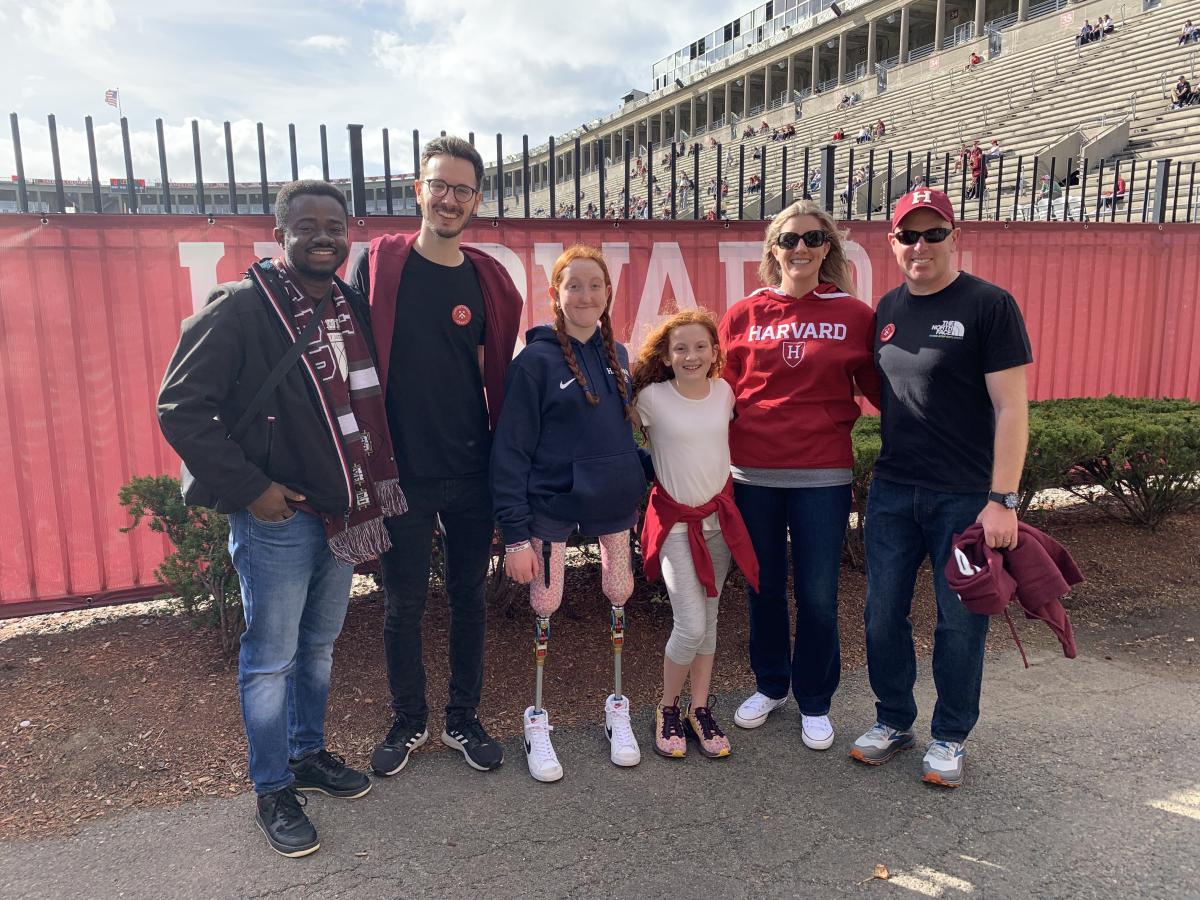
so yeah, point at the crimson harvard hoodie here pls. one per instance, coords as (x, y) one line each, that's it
(793, 363)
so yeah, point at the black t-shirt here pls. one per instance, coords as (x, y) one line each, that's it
(434, 393)
(932, 353)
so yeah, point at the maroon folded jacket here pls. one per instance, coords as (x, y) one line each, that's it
(1037, 573)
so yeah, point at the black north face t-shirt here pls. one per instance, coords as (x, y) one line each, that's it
(932, 353)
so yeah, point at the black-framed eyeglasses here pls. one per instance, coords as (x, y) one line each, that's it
(908, 237)
(463, 193)
(790, 240)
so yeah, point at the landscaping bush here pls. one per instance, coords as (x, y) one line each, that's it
(866, 441)
(1057, 445)
(199, 572)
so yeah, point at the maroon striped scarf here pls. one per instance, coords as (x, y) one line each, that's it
(339, 363)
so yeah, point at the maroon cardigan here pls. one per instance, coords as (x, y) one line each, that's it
(502, 309)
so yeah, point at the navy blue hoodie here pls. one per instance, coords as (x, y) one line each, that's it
(555, 453)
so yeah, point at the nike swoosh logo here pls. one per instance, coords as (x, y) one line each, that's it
(563, 385)
(528, 747)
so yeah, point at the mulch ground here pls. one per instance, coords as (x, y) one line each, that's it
(108, 710)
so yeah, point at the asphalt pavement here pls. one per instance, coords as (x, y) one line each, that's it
(1080, 782)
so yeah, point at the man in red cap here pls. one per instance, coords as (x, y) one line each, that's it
(952, 351)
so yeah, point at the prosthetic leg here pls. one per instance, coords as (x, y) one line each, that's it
(545, 596)
(616, 576)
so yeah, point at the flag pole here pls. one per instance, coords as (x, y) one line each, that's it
(120, 112)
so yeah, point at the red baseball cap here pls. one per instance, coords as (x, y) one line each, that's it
(923, 198)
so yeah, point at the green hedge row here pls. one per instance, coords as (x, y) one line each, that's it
(1136, 459)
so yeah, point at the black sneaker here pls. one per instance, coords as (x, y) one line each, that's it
(392, 755)
(282, 819)
(478, 749)
(328, 773)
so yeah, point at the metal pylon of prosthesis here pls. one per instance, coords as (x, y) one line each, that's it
(618, 639)
(541, 637)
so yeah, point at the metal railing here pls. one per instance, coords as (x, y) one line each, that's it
(692, 182)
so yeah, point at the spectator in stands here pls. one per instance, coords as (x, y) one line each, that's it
(1183, 93)
(1190, 33)
(1115, 195)
(748, 131)
(764, 127)
(994, 151)
(975, 60)
(757, 154)
(880, 129)
(864, 135)
(1085, 33)
(814, 181)
(838, 134)
(978, 171)
(1106, 24)
(844, 103)
(712, 141)
(710, 216)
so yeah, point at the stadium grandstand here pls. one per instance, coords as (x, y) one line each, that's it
(743, 119)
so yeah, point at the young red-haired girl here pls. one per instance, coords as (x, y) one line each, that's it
(564, 459)
(693, 529)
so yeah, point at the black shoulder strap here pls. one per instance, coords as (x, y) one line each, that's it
(281, 368)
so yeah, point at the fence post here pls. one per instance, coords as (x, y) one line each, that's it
(292, 151)
(97, 202)
(625, 197)
(717, 187)
(324, 154)
(60, 195)
(200, 204)
(827, 177)
(552, 167)
(262, 171)
(1162, 172)
(131, 187)
(762, 183)
(603, 163)
(575, 166)
(525, 172)
(358, 181)
(22, 188)
(162, 165)
(499, 173)
(387, 173)
(741, 180)
(233, 207)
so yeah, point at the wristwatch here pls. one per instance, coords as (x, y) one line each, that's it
(1011, 500)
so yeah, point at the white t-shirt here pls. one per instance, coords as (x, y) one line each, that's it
(689, 441)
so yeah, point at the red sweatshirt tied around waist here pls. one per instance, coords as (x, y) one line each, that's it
(662, 514)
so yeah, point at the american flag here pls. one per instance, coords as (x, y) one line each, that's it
(110, 97)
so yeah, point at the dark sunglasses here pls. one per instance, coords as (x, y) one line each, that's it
(908, 237)
(789, 240)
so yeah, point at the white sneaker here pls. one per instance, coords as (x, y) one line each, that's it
(539, 752)
(816, 732)
(623, 745)
(755, 710)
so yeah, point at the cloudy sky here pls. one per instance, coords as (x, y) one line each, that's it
(539, 67)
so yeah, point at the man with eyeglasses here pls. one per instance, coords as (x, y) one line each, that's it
(952, 353)
(445, 318)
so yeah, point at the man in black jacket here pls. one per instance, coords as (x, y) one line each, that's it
(305, 486)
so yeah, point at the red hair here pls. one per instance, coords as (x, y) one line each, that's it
(651, 362)
(568, 256)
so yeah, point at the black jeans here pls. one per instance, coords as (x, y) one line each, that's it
(462, 509)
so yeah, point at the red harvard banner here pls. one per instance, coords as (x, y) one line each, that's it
(90, 308)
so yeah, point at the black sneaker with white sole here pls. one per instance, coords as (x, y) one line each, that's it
(328, 773)
(281, 817)
(392, 755)
(477, 747)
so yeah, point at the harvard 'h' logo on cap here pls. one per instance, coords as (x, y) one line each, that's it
(922, 196)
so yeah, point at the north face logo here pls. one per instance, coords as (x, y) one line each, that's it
(948, 329)
(793, 352)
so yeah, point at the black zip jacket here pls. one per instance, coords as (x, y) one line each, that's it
(225, 353)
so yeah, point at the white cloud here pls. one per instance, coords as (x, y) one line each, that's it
(332, 42)
(510, 67)
(67, 21)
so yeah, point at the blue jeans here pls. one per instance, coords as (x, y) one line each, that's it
(904, 525)
(294, 594)
(816, 519)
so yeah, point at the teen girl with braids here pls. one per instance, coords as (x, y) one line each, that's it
(693, 528)
(564, 458)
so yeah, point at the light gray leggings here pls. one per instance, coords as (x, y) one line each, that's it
(695, 630)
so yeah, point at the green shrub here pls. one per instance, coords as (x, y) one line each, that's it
(199, 572)
(866, 441)
(1148, 462)
(1057, 445)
